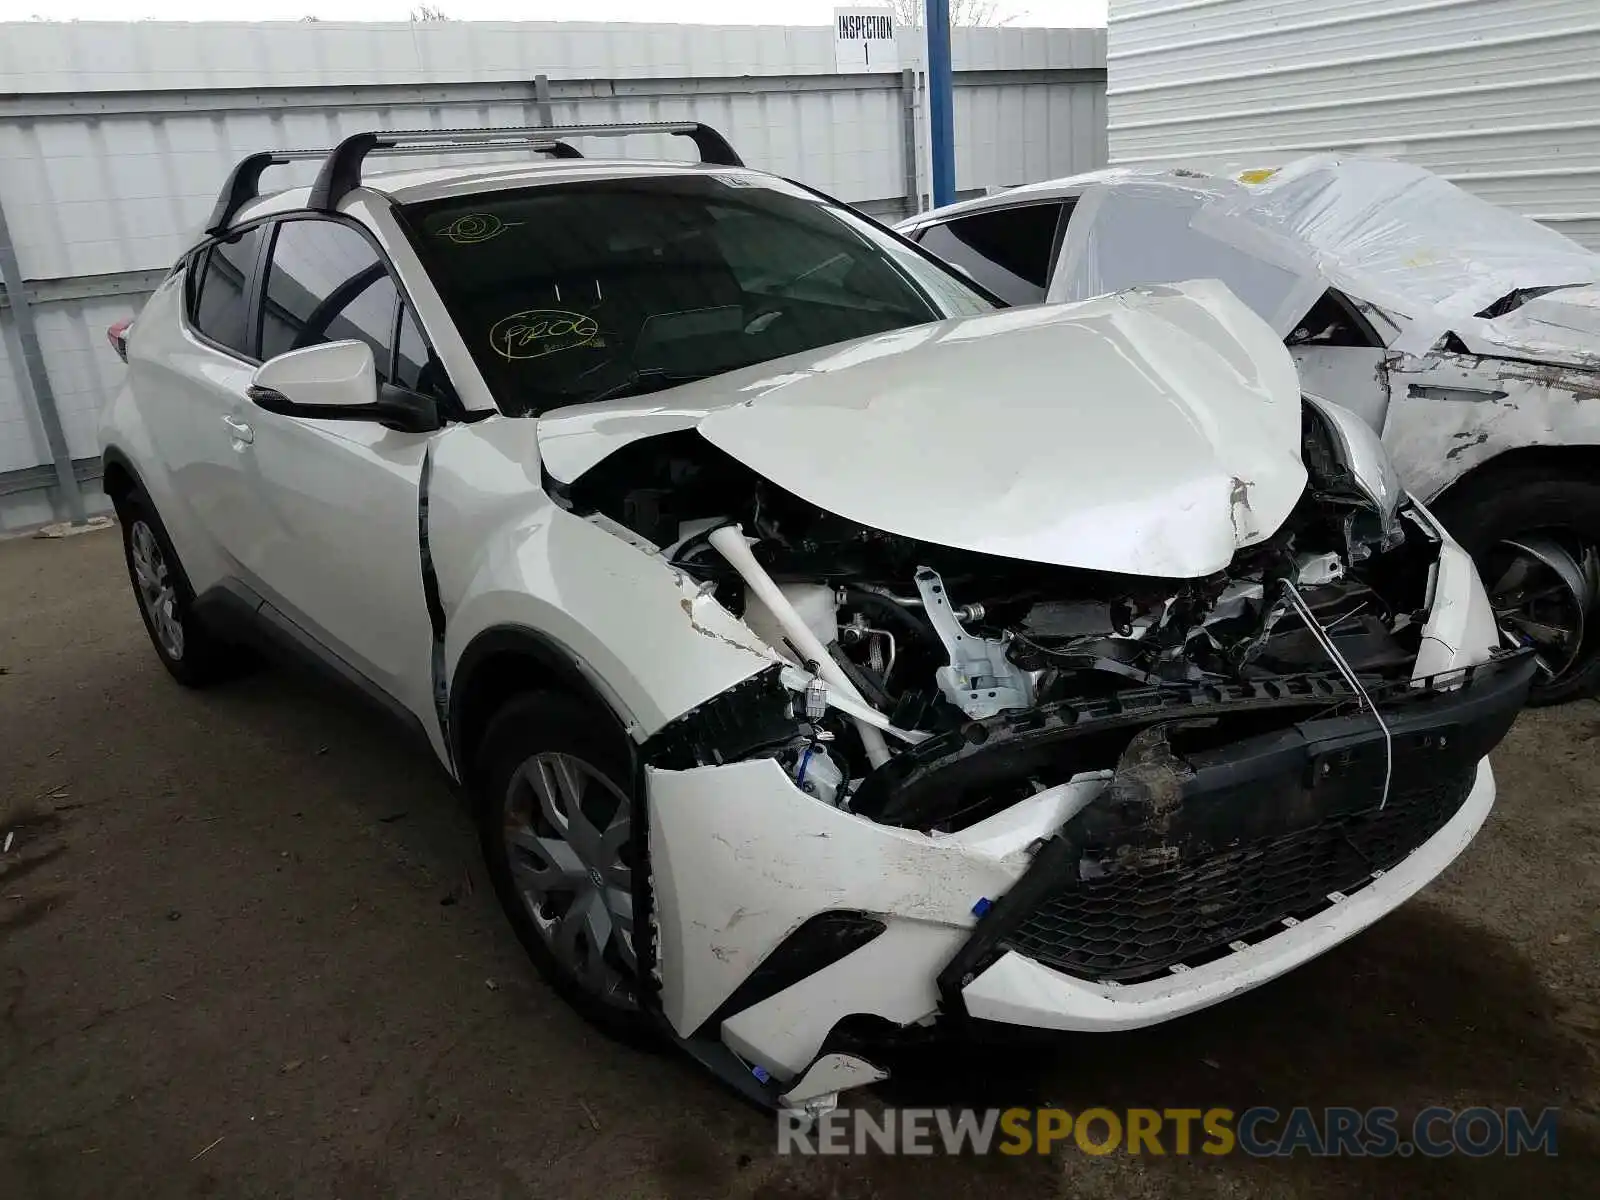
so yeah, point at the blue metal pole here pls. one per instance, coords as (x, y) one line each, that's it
(941, 109)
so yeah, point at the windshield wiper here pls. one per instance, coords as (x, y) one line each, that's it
(649, 379)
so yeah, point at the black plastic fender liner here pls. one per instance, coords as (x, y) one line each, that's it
(542, 662)
(754, 716)
(114, 460)
(1252, 793)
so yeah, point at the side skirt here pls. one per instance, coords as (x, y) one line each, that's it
(237, 613)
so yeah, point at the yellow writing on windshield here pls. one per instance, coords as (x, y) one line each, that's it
(472, 228)
(536, 332)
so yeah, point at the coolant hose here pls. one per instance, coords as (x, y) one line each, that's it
(729, 541)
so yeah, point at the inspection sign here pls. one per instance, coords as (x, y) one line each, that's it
(864, 40)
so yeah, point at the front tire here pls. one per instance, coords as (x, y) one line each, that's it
(191, 652)
(1534, 537)
(555, 816)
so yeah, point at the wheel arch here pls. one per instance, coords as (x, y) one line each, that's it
(504, 661)
(118, 477)
(1580, 462)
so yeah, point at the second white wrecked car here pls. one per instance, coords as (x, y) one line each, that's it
(828, 655)
(1468, 335)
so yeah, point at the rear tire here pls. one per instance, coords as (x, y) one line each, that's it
(191, 653)
(1490, 517)
(555, 817)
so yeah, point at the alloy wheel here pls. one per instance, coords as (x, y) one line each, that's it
(1541, 592)
(568, 836)
(157, 588)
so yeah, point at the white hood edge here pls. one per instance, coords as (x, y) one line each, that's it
(1153, 432)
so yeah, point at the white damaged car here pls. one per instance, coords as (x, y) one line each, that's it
(828, 653)
(1467, 335)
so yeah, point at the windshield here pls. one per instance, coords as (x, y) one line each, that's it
(576, 292)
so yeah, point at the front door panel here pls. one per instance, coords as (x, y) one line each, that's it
(334, 542)
(331, 535)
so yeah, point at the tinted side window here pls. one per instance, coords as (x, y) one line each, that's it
(1008, 251)
(326, 284)
(415, 365)
(220, 298)
(411, 358)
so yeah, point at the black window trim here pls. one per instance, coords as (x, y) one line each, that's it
(1068, 204)
(451, 408)
(1358, 318)
(194, 262)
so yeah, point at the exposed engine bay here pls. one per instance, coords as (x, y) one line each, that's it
(1032, 660)
(893, 641)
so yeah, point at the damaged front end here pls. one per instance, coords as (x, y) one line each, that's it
(982, 786)
(930, 687)
(960, 765)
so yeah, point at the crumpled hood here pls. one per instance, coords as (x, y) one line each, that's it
(1561, 326)
(1153, 432)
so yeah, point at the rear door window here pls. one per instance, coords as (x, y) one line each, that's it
(1008, 250)
(221, 293)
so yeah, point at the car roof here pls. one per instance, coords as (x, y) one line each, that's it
(438, 183)
(1070, 187)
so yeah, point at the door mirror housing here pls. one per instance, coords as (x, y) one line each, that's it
(338, 381)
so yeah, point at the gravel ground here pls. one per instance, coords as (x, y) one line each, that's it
(246, 949)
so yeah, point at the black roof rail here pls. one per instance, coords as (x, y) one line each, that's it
(341, 170)
(341, 166)
(244, 183)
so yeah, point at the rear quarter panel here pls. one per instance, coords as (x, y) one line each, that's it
(156, 344)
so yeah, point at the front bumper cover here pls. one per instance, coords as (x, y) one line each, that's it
(1212, 853)
(743, 861)
(1018, 991)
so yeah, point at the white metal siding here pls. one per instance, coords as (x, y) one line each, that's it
(1502, 96)
(106, 190)
(114, 138)
(22, 441)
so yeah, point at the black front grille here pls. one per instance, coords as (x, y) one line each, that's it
(1127, 918)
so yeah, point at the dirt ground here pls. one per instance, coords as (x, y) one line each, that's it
(246, 949)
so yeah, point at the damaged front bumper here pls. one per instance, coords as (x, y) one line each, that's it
(1284, 827)
(1019, 990)
(1275, 848)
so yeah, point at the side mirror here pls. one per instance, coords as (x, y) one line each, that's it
(337, 381)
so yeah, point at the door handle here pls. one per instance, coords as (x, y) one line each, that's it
(241, 431)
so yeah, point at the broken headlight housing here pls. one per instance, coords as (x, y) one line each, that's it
(1347, 464)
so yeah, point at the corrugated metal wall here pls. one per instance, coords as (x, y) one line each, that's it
(115, 138)
(1502, 96)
